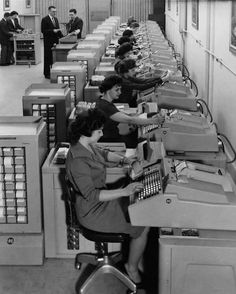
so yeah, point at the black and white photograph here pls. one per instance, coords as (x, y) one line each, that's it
(6, 5)
(28, 3)
(117, 147)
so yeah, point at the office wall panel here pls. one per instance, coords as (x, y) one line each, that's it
(138, 8)
(98, 11)
(208, 58)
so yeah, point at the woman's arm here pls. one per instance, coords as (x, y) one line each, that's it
(120, 159)
(79, 173)
(146, 83)
(107, 195)
(135, 120)
(115, 157)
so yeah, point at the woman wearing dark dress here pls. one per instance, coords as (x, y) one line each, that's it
(131, 84)
(97, 207)
(124, 51)
(111, 90)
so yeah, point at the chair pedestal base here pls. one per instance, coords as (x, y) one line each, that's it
(107, 269)
(106, 266)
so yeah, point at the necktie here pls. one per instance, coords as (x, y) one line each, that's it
(71, 25)
(53, 21)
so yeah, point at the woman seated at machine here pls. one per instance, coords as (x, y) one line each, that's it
(98, 208)
(130, 20)
(119, 126)
(129, 33)
(123, 40)
(131, 84)
(124, 51)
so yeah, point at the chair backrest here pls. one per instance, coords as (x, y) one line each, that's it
(70, 190)
(70, 199)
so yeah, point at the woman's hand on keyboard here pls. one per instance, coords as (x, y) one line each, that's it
(158, 119)
(130, 160)
(133, 188)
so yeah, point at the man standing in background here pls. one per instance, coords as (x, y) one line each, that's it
(5, 35)
(75, 25)
(13, 23)
(51, 35)
(14, 26)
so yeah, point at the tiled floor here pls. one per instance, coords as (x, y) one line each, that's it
(56, 276)
(14, 79)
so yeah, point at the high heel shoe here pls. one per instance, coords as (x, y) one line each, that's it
(139, 285)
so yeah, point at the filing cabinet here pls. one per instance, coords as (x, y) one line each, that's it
(53, 103)
(60, 51)
(89, 59)
(23, 148)
(72, 74)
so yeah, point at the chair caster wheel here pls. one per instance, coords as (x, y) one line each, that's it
(78, 265)
(131, 292)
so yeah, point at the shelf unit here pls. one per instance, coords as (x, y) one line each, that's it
(27, 49)
(31, 22)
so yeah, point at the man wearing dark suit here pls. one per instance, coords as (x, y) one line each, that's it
(14, 26)
(5, 35)
(13, 23)
(51, 35)
(75, 25)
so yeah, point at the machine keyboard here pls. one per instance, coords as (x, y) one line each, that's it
(151, 179)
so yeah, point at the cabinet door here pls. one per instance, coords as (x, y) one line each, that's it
(203, 269)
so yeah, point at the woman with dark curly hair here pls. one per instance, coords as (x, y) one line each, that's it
(111, 89)
(123, 40)
(98, 208)
(129, 33)
(124, 51)
(131, 84)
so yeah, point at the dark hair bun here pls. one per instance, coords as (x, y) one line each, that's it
(128, 33)
(123, 39)
(125, 65)
(109, 82)
(124, 48)
(102, 88)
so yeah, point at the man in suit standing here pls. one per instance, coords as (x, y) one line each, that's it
(75, 25)
(5, 35)
(13, 23)
(14, 26)
(51, 35)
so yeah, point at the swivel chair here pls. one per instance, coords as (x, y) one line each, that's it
(104, 261)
